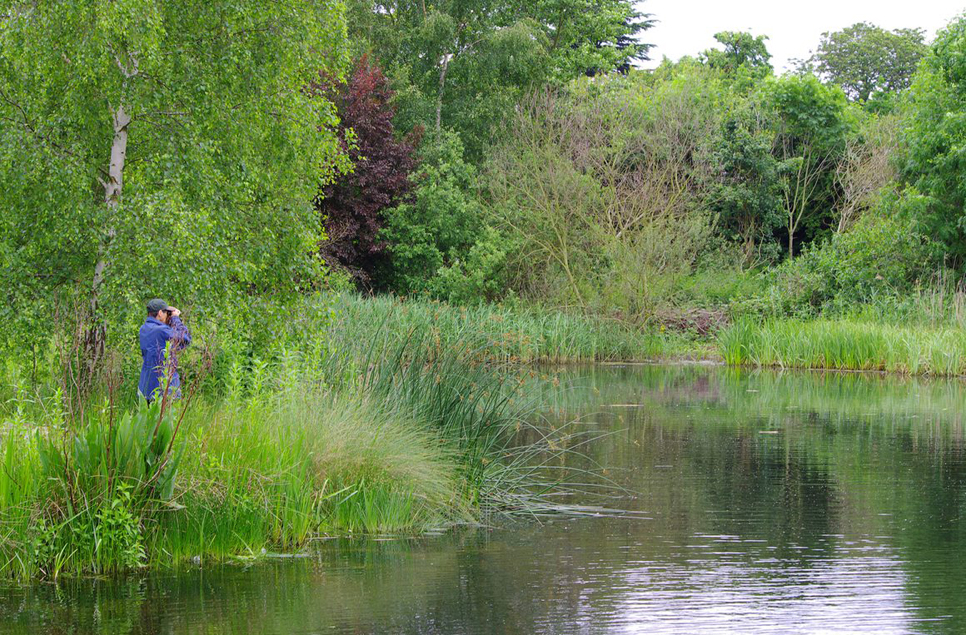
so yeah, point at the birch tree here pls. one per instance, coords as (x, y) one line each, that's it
(160, 148)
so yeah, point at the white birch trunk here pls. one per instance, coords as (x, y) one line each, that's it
(113, 187)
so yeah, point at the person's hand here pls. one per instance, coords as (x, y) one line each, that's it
(174, 312)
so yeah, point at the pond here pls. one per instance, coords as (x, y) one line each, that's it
(748, 503)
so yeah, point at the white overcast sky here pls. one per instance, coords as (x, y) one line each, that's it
(686, 27)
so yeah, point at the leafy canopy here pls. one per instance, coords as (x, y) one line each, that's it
(934, 138)
(223, 152)
(742, 52)
(440, 221)
(864, 59)
(463, 64)
(811, 123)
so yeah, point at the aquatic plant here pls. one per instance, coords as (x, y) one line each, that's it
(845, 345)
(502, 333)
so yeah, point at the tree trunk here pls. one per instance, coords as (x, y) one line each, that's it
(439, 93)
(112, 197)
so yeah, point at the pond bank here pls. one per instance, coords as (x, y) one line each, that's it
(758, 503)
(376, 430)
(397, 418)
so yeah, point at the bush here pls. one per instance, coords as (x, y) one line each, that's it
(933, 135)
(481, 276)
(439, 225)
(602, 189)
(882, 255)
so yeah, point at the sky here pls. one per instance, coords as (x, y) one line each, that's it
(686, 27)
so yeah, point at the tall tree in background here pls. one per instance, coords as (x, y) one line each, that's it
(864, 59)
(589, 36)
(741, 50)
(464, 64)
(152, 147)
(352, 207)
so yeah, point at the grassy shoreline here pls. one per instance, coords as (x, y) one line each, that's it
(847, 345)
(513, 335)
(391, 417)
(379, 423)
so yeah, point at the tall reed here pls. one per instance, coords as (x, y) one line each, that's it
(502, 333)
(845, 345)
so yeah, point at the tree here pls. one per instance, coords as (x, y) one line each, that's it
(933, 137)
(352, 206)
(742, 51)
(158, 148)
(439, 223)
(464, 64)
(864, 59)
(746, 192)
(600, 190)
(589, 36)
(812, 122)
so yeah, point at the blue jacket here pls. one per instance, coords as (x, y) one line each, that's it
(154, 337)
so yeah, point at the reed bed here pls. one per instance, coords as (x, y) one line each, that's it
(348, 416)
(248, 477)
(506, 334)
(845, 345)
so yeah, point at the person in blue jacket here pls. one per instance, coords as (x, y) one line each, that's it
(162, 334)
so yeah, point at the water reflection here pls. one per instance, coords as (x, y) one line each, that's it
(797, 503)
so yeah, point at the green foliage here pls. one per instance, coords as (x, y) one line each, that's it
(494, 333)
(404, 422)
(746, 192)
(100, 488)
(720, 279)
(441, 222)
(600, 189)
(884, 254)
(812, 123)
(845, 345)
(118, 534)
(866, 60)
(463, 65)
(218, 119)
(809, 113)
(479, 276)
(744, 55)
(138, 452)
(934, 135)
(590, 36)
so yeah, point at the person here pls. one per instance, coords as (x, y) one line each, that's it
(162, 334)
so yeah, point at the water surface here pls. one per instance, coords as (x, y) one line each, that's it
(757, 503)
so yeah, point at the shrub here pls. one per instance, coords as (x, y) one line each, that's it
(352, 207)
(933, 134)
(882, 255)
(601, 188)
(481, 276)
(441, 222)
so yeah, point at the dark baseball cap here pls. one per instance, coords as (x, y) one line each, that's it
(156, 305)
